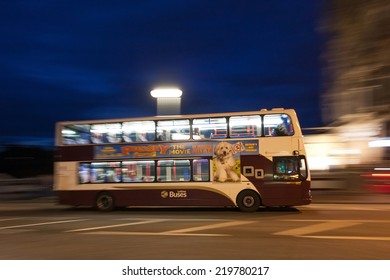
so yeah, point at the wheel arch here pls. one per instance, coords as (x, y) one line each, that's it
(104, 201)
(248, 193)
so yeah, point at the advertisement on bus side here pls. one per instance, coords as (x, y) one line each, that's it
(176, 150)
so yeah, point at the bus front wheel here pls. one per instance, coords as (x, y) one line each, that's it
(104, 201)
(248, 201)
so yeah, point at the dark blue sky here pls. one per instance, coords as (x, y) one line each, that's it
(79, 60)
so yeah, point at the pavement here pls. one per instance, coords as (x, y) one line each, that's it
(24, 192)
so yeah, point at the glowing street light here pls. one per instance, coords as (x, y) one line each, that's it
(168, 100)
(166, 92)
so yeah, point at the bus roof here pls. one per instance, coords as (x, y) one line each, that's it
(169, 117)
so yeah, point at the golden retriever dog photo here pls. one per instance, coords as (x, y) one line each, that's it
(225, 162)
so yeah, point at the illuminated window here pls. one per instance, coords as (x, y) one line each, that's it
(76, 134)
(138, 171)
(85, 173)
(138, 131)
(210, 128)
(290, 168)
(173, 171)
(106, 133)
(173, 130)
(245, 126)
(278, 125)
(100, 172)
(201, 170)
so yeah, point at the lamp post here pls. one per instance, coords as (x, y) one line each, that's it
(168, 100)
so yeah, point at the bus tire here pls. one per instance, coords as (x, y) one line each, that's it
(104, 201)
(248, 201)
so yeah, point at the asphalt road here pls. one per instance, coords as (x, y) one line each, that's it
(327, 229)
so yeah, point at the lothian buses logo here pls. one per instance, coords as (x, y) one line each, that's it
(164, 194)
(174, 194)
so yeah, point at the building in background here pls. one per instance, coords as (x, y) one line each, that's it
(356, 97)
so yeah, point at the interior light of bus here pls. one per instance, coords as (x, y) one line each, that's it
(138, 124)
(245, 120)
(216, 126)
(68, 132)
(178, 123)
(146, 126)
(103, 128)
(178, 136)
(271, 120)
(210, 121)
(275, 119)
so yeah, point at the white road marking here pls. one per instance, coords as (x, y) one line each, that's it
(12, 231)
(9, 219)
(325, 225)
(212, 226)
(177, 219)
(117, 225)
(356, 221)
(346, 207)
(178, 232)
(152, 233)
(41, 224)
(375, 238)
(329, 225)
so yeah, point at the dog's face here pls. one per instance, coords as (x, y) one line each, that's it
(223, 149)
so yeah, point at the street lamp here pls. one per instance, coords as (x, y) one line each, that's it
(168, 100)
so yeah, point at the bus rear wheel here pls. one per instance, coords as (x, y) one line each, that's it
(104, 201)
(248, 201)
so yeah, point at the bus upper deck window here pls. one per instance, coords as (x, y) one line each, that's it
(138, 131)
(209, 128)
(245, 126)
(76, 134)
(173, 130)
(278, 125)
(106, 133)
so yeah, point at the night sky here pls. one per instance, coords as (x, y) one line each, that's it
(84, 59)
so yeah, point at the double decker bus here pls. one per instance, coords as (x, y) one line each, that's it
(239, 159)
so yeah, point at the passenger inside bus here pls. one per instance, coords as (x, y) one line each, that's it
(127, 137)
(163, 136)
(142, 137)
(280, 130)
